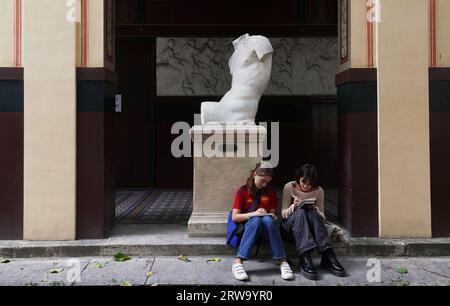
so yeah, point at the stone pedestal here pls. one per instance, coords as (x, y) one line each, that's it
(223, 158)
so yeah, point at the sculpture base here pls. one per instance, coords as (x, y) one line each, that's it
(223, 159)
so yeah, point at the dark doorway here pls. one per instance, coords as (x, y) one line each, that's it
(135, 124)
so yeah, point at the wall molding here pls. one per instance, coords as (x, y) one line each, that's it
(18, 34)
(433, 33)
(84, 33)
(343, 29)
(11, 74)
(371, 5)
(439, 74)
(356, 75)
(96, 74)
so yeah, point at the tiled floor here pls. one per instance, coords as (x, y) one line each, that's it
(163, 206)
(153, 206)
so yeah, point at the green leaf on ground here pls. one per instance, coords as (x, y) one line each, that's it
(126, 284)
(56, 270)
(215, 259)
(57, 283)
(4, 260)
(149, 274)
(399, 282)
(121, 257)
(99, 265)
(402, 270)
(184, 258)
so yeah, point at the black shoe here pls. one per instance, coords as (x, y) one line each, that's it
(307, 268)
(330, 263)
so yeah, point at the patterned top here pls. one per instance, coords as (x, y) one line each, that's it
(288, 207)
(243, 201)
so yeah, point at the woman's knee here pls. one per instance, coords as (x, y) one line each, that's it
(254, 222)
(313, 213)
(269, 221)
(299, 213)
(299, 218)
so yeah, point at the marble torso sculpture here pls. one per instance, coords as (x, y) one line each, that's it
(250, 67)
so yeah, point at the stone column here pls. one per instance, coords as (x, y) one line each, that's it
(49, 121)
(357, 119)
(403, 119)
(96, 88)
(11, 121)
(440, 115)
(223, 159)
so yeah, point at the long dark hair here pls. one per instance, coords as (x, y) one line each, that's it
(309, 173)
(261, 169)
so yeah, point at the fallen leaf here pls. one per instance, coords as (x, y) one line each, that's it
(184, 258)
(215, 259)
(402, 270)
(149, 274)
(121, 257)
(126, 284)
(56, 270)
(4, 260)
(99, 265)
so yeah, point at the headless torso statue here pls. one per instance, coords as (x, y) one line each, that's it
(250, 67)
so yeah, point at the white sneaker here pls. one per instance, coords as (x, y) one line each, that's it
(239, 272)
(286, 272)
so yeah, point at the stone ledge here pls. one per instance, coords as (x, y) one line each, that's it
(427, 247)
(384, 249)
(171, 240)
(342, 249)
(207, 224)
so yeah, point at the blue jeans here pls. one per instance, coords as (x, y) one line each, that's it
(261, 227)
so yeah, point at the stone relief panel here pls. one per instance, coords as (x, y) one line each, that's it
(199, 66)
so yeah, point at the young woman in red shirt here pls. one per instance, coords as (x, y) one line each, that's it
(260, 223)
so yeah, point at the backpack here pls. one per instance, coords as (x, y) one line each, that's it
(235, 231)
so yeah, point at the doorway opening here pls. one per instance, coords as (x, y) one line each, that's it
(154, 187)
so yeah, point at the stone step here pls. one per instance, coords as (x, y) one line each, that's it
(172, 240)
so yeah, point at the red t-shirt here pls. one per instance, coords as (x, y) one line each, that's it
(243, 201)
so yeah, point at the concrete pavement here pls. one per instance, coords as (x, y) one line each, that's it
(170, 270)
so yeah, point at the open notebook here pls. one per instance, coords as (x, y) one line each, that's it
(305, 202)
(296, 194)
